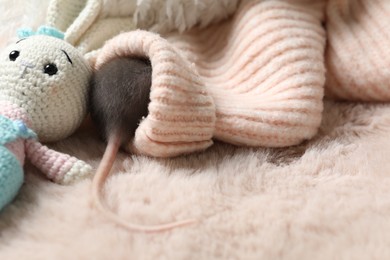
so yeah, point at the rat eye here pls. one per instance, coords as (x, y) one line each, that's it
(50, 69)
(13, 55)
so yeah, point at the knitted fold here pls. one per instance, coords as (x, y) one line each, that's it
(181, 115)
(263, 68)
(357, 55)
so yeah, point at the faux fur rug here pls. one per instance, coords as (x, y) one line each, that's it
(325, 199)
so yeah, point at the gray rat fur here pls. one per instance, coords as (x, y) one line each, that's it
(119, 96)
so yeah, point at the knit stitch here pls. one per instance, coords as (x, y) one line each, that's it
(263, 68)
(182, 114)
(357, 54)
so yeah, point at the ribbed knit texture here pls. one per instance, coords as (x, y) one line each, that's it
(357, 55)
(263, 68)
(265, 71)
(181, 113)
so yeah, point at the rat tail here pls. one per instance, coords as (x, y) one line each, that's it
(97, 186)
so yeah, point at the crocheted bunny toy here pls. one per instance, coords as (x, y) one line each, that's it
(43, 96)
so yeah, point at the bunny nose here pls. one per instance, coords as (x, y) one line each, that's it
(25, 64)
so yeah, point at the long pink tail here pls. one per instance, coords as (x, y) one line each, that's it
(97, 186)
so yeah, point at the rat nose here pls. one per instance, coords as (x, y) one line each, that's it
(25, 64)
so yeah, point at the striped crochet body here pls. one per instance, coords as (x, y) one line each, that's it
(58, 167)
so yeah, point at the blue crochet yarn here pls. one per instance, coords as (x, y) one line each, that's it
(43, 30)
(11, 172)
(11, 176)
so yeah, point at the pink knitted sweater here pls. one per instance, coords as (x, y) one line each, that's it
(255, 80)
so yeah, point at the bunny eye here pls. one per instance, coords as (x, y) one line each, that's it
(50, 69)
(13, 55)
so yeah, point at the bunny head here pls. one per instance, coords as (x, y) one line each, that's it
(48, 79)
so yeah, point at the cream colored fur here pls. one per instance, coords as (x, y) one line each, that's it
(325, 199)
(163, 16)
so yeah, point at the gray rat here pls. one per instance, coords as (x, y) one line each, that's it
(119, 98)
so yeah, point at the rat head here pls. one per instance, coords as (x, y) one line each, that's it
(48, 79)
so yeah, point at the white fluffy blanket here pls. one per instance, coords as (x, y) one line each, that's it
(325, 199)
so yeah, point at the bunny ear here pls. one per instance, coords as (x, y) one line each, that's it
(61, 14)
(87, 23)
(74, 17)
(87, 17)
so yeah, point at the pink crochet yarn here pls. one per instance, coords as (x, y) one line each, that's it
(53, 164)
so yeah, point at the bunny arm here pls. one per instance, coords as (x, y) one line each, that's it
(58, 167)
